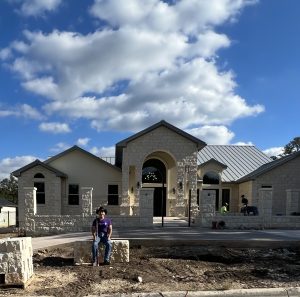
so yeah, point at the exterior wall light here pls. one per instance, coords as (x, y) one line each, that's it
(174, 191)
(138, 185)
(131, 189)
(180, 185)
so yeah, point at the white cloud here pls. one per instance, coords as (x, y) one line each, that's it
(155, 57)
(103, 151)
(24, 110)
(55, 127)
(274, 151)
(241, 143)
(212, 134)
(83, 141)
(8, 165)
(38, 7)
(60, 147)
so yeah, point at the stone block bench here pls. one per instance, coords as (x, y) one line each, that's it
(16, 266)
(83, 251)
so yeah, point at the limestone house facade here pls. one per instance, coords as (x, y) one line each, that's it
(160, 171)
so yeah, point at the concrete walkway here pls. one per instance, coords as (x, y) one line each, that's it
(184, 236)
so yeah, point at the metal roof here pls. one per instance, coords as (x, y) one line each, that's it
(240, 160)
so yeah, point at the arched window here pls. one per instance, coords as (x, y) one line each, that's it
(154, 171)
(39, 175)
(211, 178)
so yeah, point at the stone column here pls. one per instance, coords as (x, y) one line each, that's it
(265, 203)
(207, 207)
(181, 184)
(292, 201)
(146, 205)
(87, 201)
(30, 208)
(125, 208)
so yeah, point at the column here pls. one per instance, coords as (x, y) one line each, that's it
(87, 201)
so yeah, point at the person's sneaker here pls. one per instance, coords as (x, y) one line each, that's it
(106, 263)
(95, 264)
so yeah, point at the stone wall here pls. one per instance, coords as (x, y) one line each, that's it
(83, 252)
(16, 266)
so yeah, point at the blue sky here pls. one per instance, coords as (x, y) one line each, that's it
(96, 71)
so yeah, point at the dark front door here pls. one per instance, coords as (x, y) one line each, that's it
(157, 199)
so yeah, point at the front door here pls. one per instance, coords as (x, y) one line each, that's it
(157, 202)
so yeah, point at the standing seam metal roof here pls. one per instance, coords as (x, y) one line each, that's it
(240, 160)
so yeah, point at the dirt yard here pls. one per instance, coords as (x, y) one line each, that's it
(164, 269)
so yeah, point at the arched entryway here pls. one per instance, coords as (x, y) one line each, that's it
(154, 175)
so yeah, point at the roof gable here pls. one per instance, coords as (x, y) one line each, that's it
(214, 161)
(269, 166)
(200, 143)
(77, 148)
(35, 163)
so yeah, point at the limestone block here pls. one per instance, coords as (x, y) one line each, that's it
(83, 251)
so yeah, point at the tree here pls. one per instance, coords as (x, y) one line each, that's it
(292, 147)
(9, 189)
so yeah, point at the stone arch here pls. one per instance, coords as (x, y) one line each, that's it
(162, 176)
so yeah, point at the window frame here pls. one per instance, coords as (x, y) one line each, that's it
(112, 198)
(73, 198)
(40, 195)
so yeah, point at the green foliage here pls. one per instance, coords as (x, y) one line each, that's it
(292, 147)
(9, 189)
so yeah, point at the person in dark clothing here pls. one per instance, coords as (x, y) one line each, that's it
(101, 232)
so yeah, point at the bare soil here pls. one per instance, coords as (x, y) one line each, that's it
(163, 269)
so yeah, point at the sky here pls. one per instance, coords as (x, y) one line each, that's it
(93, 72)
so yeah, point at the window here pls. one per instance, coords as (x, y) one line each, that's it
(40, 192)
(39, 175)
(113, 195)
(73, 194)
(211, 178)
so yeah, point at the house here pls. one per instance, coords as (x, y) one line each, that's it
(7, 213)
(159, 171)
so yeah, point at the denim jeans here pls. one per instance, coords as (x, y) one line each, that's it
(102, 238)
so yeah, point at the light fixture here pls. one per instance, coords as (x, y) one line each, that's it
(138, 185)
(174, 191)
(131, 189)
(180, 185)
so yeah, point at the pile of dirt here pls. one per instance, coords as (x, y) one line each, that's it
(164, 269)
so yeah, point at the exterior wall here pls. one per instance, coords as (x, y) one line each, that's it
(246, 189)
(282, 178)
(53, 190)
(162, 139)
(86, 171)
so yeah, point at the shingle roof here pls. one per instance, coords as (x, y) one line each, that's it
(240, 160)
(269, 166)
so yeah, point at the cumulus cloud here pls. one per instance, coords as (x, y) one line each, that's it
(59, 147)
(151, 57)
(212, 134)
(103, 151)
(83, 141)
(8, 165)
(55, 127)
(38, 7)
(24, 110)
(274, 151)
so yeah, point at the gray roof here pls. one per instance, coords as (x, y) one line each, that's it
(37, 162)
(240, 160)
(5, 203)
(269, 166)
